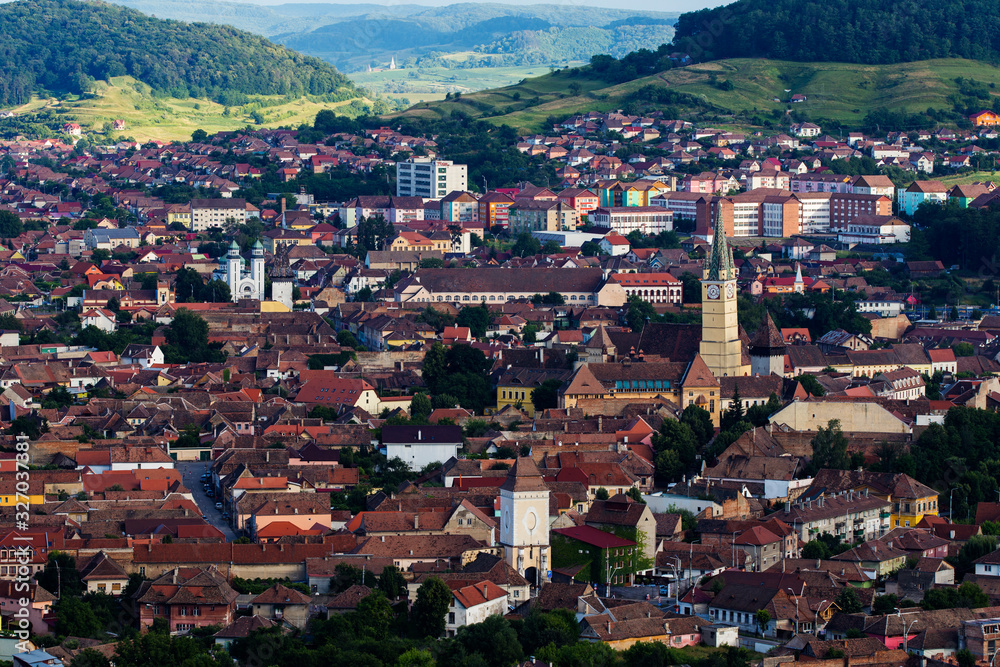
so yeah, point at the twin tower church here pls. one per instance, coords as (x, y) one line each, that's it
(250, 283)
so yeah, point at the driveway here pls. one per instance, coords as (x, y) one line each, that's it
(191, 472)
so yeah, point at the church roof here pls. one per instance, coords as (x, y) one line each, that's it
(768, 336)
(699, 374)
(524, 476)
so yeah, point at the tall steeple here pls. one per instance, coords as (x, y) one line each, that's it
(721, 348)
(720, 262)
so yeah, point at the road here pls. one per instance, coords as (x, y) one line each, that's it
(191, 472)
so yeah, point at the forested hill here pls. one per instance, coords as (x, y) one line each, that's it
(857, 31)
(62, 46)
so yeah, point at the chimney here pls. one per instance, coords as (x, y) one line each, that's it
(788, 507)
(419, 435)
(416, 522)
(383, 538)
(820, 501)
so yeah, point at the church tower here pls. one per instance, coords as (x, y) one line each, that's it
(524, 521)
(720, 331)
(767, 350)
(282, 279)
(257, 269)
(234, 268)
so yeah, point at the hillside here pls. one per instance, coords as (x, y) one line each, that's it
(64, 46)
(839, 92)
(856, 31)
(155, 117)
(499, 35)
(355, 36)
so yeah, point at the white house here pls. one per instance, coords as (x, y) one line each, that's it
(142, 355)
(420, 445)
(102, 318)
(474, 604)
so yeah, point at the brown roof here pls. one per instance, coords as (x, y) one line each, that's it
(279, 594)
(524, 475)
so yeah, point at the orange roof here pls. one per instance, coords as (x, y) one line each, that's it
(283, 528)
(478, 593)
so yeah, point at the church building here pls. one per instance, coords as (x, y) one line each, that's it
(243, 284)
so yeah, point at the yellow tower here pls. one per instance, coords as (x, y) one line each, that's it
(720, 331)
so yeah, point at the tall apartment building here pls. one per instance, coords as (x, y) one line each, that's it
(208, 213)
(429, 178)
(780, 213)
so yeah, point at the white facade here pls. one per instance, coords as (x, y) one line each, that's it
(244, 284)
(208, 213)
(429, 178)
(459, 615)
(814, 213)
(624, 219)
(875, 234)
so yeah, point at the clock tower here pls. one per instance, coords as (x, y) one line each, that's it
(720, 332)
(524, 521)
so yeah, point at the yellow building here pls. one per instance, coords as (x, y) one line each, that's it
(721, 347)
(179, 213)
(911, 500)
(415, 241)
(600, 387)
(9, 492)
(514, 387)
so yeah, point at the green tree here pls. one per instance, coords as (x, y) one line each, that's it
(430, 609)
(816, 550)
(391, 582)
(60, 575)
(762, 617)
(526, 245)
(493, 640)
(811, 385)
(374, 616)
(10, 225)
(699, 421)
(829, 448)
(884, 604)
(58, 397)
(88, 657)
(98, 255)
(347, 339)
(546, 395)
(848, 601)
(734, 413)
(601, 494)
(199, 136)
(420, 407)
(963, 349)
(477, 318)
(76, 618)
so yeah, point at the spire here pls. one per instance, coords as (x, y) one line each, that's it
(798, 272)
(767, 337)
(720, 263)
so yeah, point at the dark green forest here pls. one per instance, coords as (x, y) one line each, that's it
(856, 31)
(63, 46)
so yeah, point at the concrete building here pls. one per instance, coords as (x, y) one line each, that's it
(208, 213)
(429, 178)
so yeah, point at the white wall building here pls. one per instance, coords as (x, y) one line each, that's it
(429, 178)
(624, 219)
(208, 213)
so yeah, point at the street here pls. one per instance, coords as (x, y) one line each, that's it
(191, 472)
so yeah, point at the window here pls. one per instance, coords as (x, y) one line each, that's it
(451, 617)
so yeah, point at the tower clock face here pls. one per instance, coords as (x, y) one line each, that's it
(713, 291)
(730, 291)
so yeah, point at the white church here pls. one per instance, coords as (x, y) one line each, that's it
(243, 284)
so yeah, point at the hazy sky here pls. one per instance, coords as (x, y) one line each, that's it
(648, 5)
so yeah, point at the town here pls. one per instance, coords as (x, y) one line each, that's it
(323, 395)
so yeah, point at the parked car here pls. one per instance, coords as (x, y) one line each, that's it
(218, 506)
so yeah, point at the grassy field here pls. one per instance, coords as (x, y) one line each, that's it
(973, 177)
(426, 84)
(836, 91)
(168, 119)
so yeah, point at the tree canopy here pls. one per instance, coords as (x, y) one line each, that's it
(63, 46)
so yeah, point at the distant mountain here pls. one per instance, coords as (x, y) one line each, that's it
(855, 31)
(63, 46)
(483, 35)
(353, 36)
